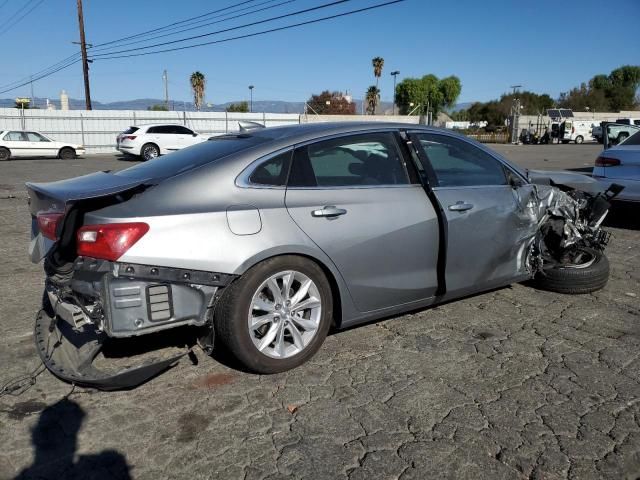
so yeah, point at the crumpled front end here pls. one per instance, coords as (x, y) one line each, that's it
(567, 219)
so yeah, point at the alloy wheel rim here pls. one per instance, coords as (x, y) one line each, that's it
(150, 153)
(284, 314)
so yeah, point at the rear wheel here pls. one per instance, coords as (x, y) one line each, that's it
(5, 154)
(149, 151)
(579, 139)
(67, 153)
(276, 316)
(585, 270)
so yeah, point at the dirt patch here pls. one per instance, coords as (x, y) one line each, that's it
(213, 380)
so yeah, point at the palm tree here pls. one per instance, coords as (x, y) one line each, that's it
(377, 63)
(371, 99)
(197, 85)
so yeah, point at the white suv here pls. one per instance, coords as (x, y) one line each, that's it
(150, 141)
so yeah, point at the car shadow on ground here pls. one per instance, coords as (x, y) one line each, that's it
(624, 215)
(123, 157)
(54, 440)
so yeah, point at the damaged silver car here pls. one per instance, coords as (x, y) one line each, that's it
(265, 239)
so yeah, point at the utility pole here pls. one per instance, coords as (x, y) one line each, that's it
(85, 62)
(166, 89)
(33, 99)
(515, 114)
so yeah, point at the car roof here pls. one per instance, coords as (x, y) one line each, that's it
(309, 131)
(146, 125)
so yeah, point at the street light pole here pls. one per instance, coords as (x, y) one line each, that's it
(394, 74)
(165, 77)
(251, 87)
(85, 63)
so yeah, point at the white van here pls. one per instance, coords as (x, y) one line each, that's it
(577, 130)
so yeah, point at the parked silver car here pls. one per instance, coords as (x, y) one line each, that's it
(619, 162)
(267, 238)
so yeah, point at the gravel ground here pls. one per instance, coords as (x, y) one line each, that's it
(515, 383)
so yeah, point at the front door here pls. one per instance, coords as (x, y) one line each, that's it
(489, 227)
(351, 195)
(41, 146)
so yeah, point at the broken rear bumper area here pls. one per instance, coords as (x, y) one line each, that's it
(99, 302)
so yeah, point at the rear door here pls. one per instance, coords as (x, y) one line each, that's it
(17, 143)
(485, 204)
(352, 196)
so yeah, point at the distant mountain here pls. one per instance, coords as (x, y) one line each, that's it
(460, 106)
(270, 106)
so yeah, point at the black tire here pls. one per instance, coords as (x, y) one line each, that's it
(67, 153)
(5, 154)
(576, 279)
(231, 314)
(579, 139)
(149, 151)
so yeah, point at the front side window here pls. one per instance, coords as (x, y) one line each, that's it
(457, 163)
(272, 172)
(370, 159)
(36, 137)
(182, 130)
(15, 137)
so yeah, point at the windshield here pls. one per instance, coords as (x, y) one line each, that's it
(191, 157)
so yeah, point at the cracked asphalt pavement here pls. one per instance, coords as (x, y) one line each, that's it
(514, 383)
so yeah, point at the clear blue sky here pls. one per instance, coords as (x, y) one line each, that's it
(546, 46)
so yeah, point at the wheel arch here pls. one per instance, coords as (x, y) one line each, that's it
(341, 297)
(66, 147)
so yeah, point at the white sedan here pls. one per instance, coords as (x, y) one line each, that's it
(20, 143)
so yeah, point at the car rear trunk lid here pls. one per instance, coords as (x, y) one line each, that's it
(60, 196)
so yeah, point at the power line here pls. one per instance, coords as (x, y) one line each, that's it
(40, 77)
(10, 23)
(4, 3)
(264, 32)
(174, 23)
(194, 37)
(44, 70)
(147, 39)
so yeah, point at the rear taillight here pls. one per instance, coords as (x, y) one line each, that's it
(109, 241)
(48, 224)
(607, 162)
(129, 137)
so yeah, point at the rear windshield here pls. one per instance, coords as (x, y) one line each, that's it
(131, 130)
(633, 139)
(191, 157)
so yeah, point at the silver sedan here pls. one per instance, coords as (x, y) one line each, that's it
(265, 239)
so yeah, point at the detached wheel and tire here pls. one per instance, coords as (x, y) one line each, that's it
(67, 154)
(586, 271)
(5, 154)
(149, 151)
(276, 316)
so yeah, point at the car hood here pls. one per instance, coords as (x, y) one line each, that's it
(577, 181)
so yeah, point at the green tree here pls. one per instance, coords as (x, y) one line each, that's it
(378, 64)
(614, 92)
(337, 104)
(198, 82)
(371, 99)
(158, 107)
(238, 107)
(427, 92)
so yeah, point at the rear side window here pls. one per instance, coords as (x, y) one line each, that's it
(130, 130)
(356, 160)
(460, 164)
(272, 172)
(15, 137)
